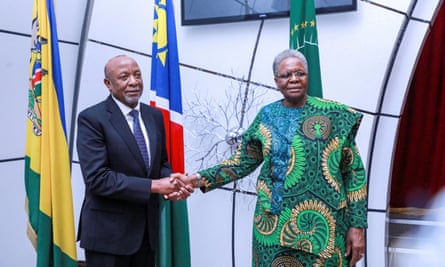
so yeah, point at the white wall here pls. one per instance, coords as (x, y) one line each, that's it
(361, 63)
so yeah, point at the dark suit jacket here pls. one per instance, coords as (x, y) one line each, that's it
(118, 205)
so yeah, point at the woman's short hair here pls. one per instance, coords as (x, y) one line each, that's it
(285, 54)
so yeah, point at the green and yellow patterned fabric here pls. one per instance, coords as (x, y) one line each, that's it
(312, 185)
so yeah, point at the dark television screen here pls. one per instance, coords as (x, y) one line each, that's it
(195, 12)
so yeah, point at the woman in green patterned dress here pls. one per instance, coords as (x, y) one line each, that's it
(312, 189)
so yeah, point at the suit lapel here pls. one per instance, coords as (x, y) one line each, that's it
(120, 124)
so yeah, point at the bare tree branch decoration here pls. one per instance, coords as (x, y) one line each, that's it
(216, 124)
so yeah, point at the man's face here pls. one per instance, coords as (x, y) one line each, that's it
(124, 80)
(292, 81)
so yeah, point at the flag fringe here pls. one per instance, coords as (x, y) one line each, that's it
(32, 235)
(30, 232)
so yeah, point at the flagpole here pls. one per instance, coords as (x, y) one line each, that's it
(78, 75)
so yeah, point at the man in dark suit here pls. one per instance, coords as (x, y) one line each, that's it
(119, 217)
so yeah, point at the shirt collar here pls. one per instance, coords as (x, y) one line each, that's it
(124, 108)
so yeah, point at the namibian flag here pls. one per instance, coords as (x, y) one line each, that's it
(174, 247)
(47, 163)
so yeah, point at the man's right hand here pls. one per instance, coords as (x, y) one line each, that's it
(172, 187)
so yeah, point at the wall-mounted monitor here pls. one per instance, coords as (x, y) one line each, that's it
(196, 12)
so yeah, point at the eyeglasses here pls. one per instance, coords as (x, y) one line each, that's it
(288, 75)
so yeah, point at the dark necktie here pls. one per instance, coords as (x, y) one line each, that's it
(139, 136)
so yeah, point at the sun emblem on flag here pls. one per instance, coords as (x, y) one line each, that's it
(160, 31)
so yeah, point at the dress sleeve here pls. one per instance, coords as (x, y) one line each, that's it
(247, 157)
(354, 176)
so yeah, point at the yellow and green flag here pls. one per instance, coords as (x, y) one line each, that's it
(49, 201)
(304, 38)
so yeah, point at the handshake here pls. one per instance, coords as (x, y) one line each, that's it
(176, 187)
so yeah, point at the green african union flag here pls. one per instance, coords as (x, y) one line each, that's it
(304, 38)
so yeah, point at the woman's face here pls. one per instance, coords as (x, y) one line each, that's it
(292, 81)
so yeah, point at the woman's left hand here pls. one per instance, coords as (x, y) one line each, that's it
(355, 245)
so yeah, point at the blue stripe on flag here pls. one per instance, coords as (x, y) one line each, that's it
(165, 79)
(57, 71)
